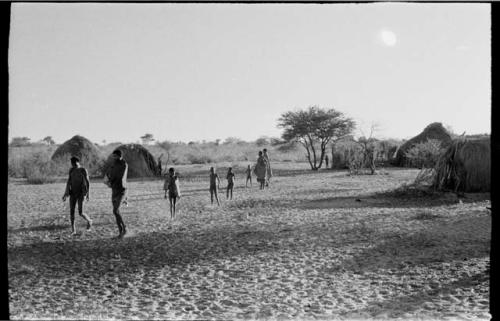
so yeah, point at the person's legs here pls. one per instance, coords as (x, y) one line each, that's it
(80, 212)
(174, 200)
(216, 196)
(227, 191)
(72, 205)
(170, 201)
(117, 199)
(231, 192)
(211, 195)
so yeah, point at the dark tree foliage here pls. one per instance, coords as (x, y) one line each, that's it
(314, 128)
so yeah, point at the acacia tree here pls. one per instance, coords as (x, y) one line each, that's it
(314, 128)
(48, 140)
(369, 148)
(147, 138)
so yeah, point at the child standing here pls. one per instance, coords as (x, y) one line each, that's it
(171, 186)
(213, 186)
(230, 182)
(249, 176)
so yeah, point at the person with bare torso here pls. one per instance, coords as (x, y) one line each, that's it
(230, 182)
(77, 188)
(214, 179)
(117, 178)
(249, 176)
(172, 189)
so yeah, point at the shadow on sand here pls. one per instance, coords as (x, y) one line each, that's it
(387, 200)
(179, 247)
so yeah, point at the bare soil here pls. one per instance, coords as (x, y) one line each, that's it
(315, 245)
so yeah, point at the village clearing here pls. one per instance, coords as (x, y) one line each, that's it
(315, 245)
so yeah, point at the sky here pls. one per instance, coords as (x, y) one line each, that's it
(193, 72)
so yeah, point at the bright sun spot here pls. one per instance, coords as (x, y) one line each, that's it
(388, 37)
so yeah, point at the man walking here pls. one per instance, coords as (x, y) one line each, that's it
(77, 188)
(117, 178)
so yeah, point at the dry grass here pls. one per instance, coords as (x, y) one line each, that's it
(180, 154)
(303, 249)
(465, 166)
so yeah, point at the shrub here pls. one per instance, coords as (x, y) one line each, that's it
(38, 176)
(20, 141)
(39, 169)
(425, 154)
(199, 159)
(287, 147)
(262, 141)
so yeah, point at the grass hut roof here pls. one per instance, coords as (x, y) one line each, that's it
(465, 166)
(80, 147)
(141, 162)
(432, 131)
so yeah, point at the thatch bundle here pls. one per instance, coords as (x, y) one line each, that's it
(432, 131)
(81, 147)
(140, 161)
(465, 166)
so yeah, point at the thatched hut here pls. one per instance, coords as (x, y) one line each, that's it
(432, 131)
(465, 166)
(140, 161)
(82, 148)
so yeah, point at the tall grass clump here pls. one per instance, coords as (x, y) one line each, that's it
(465, 166)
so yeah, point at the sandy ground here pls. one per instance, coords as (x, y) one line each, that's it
(315, 245)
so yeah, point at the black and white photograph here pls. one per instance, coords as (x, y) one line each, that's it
(249, 161)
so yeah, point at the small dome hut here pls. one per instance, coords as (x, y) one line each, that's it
(81, 147)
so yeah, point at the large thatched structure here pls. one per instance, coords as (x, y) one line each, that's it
(465, 166)
(140, 161)
(432, 131)
(82, 148)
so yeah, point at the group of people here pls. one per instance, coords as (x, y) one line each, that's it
(78, 186)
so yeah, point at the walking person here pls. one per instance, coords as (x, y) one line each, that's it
(172, 187)
(77, 188)
(249, 176)
(326, 161)
(269, 172)
(230, 182)
(214, 178)
(117, 178)
(260, 170)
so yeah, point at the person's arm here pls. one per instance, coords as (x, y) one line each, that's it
(87, 180)
(67, 190)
